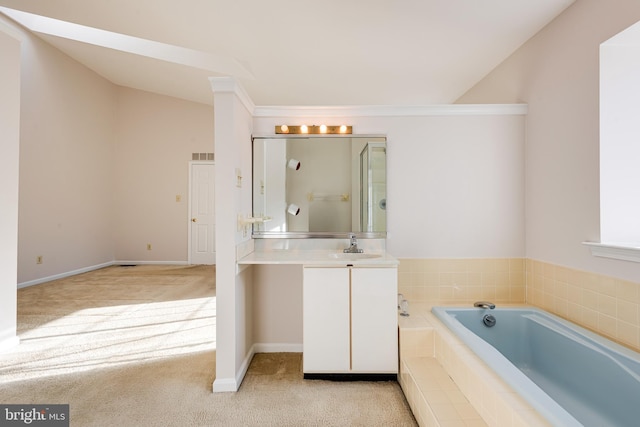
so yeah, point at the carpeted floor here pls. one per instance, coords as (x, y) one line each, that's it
(135, 346)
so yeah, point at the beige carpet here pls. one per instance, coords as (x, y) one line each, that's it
(135, 346)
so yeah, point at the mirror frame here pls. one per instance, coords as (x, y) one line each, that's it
(311, 234)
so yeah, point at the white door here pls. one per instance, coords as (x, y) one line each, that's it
(202, 219)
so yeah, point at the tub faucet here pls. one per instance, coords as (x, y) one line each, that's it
(484, 304)
(353, 245)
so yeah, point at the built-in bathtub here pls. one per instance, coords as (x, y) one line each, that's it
(571, 376)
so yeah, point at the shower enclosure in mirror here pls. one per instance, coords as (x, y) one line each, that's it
(373, 188)
(319, 186)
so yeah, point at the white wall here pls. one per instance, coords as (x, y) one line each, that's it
(81, 139)
(9, 157)
(455, 183)
(66, 164)
(154, 139)
(557, 74)
(277, 305)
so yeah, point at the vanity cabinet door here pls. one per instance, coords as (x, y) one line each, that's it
(374, 321)
(325, 329)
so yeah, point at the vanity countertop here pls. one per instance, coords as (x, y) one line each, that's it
(318, 258)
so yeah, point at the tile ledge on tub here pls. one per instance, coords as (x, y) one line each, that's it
(621, 251)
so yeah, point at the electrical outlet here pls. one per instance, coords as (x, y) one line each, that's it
(148, 246)
(39, 259)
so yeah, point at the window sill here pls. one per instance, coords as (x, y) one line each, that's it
(615, 251)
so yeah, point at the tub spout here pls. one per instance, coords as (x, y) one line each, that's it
(484, 304)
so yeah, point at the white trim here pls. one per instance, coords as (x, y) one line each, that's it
(125, 262)
(95, 267)
(231, 85)
(63, 275)
(9, 343)
(221, 385)
(233, 384)
(614, 250)
(392, 111)
(277, 348)
(7, 29)
(244, 367)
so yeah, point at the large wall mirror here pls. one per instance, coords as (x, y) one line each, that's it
(320, 186)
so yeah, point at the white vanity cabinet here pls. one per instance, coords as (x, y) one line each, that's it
(350, 320)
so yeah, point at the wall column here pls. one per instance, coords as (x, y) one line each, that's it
(232, 138)
(9, 176)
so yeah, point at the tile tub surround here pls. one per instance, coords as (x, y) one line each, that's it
(605, 305)
(462, 281)
(430, 356)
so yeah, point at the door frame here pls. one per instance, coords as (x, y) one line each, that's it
(189, 216)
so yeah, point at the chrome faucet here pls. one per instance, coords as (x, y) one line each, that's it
(484, 304)
(353, 245)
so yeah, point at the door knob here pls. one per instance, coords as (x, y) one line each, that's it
(194, 220)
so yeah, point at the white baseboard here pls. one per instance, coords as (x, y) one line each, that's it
(123, 262)
(9, 343)
(233, 384)
(221, 385)
(277, 348)
(95, 267)
(63, 275)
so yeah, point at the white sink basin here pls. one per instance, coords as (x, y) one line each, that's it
(353, 256)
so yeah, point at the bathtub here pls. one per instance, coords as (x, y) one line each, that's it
(571, 376)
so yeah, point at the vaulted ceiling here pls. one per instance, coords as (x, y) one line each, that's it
(291, 52)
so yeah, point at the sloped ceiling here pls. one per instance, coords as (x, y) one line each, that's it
(291, 52)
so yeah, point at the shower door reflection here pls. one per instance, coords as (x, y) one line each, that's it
(373, 187)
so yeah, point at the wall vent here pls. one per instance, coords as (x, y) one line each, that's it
(202, 156)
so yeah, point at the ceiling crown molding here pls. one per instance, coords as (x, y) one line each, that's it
(231, 85)
(392, 110)
(9, 30)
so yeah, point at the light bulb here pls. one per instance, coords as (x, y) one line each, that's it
(343, 129)
(323, 128)
(284, 128)
(304, 129)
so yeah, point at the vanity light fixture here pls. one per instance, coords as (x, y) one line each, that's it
(314, 130)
